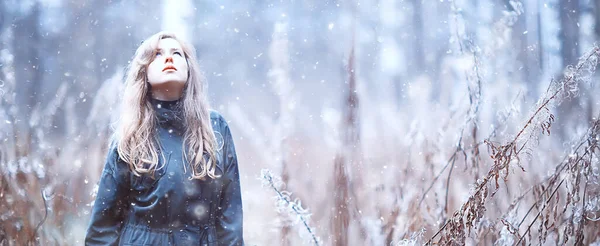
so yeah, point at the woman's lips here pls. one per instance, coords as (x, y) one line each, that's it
(169, 68)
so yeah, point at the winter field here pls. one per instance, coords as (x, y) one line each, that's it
(375, 122)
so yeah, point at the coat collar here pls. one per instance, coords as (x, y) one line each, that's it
(169, 115)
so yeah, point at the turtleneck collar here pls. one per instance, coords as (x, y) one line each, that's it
(169, 115)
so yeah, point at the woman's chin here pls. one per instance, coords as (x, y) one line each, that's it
(168, 82)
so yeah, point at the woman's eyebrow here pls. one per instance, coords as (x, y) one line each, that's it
(171, 49)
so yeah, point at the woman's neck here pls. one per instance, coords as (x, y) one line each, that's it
(165, 93)
(169, 114)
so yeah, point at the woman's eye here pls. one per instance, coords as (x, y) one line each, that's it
(177, 53)
(157, 53)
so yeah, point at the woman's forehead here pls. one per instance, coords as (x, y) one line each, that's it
(168, 44)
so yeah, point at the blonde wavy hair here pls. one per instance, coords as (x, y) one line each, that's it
(136, 136)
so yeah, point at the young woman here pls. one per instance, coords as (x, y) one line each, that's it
(171, 174)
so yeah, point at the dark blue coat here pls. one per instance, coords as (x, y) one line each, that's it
(171, 208)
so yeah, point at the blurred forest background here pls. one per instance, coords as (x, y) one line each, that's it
(373, 122)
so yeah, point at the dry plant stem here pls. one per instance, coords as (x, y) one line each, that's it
(495, 129)
(43, 219)
(492, 134)
(437, 233)
(511, 207)
(544, 207)
(281, 196)
(561, 167)
(452, 159)
(437, 177)
(389, 226)
(459, 144)
(459, 147)
(530, 209)
(579, 237)
(512, 144)
(472, 113)
(596, 49)
(448, 188)
(556, 174)
(456, 14)
(536, 202)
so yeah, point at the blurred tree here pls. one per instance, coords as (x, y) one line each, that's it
(3, 16)
(28, 73)
(419, 37)
(282, 86)
(569, 31)
(79, 51)
(569, 51)
(347, 167)
(71, 54)
(540, 39)
(519, 43)
(439, 44)
(597, 18)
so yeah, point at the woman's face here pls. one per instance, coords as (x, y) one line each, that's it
(169, 68)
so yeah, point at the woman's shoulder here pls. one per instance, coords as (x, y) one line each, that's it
(217, 118)
(114, 165)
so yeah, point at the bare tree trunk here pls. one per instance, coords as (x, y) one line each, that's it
(533, 47)
(522, 69)
(347, 165)
(3, 15)
(3, 18)
(441, 47)
(597, 18)
(341, 215)
(26, 44)
(99, 52)
(569, 31)
(285, 178)
(540, 36)
(352, 131)
(282, 86)
(84, 20)
(596, 12)
(569, 41)
(419, 38)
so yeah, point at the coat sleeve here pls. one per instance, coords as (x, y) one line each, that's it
(229, 222)
(110, 205)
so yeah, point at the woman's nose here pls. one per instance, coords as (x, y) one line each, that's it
(169, 59)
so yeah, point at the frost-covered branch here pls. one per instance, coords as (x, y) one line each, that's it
(471, 211)
(285, 205)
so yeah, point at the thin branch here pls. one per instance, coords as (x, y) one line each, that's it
(43, 219)
(538, 215)
(559, 168)
(437, 233)
(512, 145)
(267, 176)
(437, 177)
(547, 101)
(579, 237)
(492, 134)
(448, 188)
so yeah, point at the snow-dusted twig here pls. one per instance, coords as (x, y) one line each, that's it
(414, 240)
(285, 204)
(540, 212)
(35, 231)
(472, 210)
